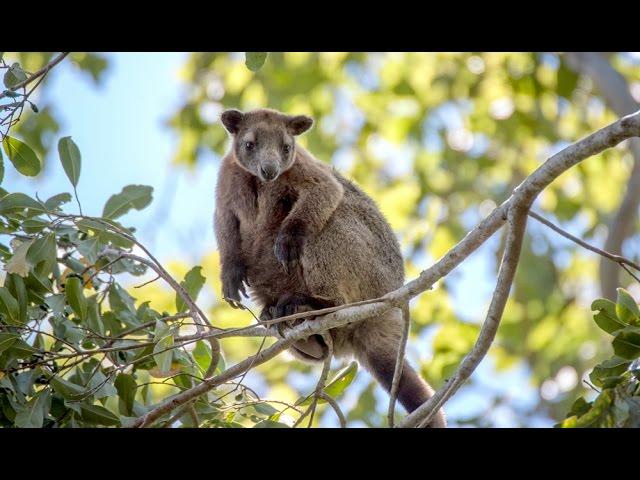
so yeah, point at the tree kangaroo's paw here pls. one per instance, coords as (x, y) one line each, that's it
(233, 279)
(312, 348)
(266, 314)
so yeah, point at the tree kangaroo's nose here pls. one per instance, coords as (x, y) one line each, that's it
(269, 169)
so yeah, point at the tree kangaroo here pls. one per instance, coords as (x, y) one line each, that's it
(302, 237)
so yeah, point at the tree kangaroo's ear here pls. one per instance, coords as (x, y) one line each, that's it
(231, 119)
(299, 124)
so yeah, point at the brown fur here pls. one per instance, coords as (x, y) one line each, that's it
(308, 238)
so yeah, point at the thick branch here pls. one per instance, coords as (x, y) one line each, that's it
(519, 202)
(615, 91)
(509, 264)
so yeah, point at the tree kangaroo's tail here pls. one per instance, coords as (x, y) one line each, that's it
(413, 391)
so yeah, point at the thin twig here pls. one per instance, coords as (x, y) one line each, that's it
(614, 258)
(336, 408)
(397, 373)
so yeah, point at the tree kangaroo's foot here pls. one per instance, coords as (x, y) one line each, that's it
(313, 348)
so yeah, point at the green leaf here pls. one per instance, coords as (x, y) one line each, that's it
(6, 340)
(13, 202)
(336, 386)
(270, 424)
(627, 343)
(44, 249)
(606, 318)
(94, 321)
(192, 283)
(9, 307)
(34, 225)
(265, 409)
(132, 196)
(202, 355)
(54, 202)
(86, 224)
(610, 382)
(597, 412)
(70, 158)
(123, 305)
(579, 407)
(255, 60)
(90, 248)
(16, 286)
(164, 340)
(1, 167)
(611, 368)
(627, 308)
(126, 386)
(18, 263)
(119, 240)
(24, 159)
(75, 297)
(14, 75)
(56, 303)
(35, 411)
(341, 380)
(100, 386)
(98, 415)
(66, 389)
(21, 349)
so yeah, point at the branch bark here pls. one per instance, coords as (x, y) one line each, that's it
(397, 372)
(617, 96)
(517, 224)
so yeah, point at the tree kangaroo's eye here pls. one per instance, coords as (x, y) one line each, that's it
(248, 145)
(287, 148)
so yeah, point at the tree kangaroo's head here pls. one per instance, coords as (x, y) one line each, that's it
(264, 140)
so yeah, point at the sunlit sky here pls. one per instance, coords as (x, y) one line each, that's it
(121, 132)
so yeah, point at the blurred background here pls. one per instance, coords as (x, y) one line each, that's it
(437, 139)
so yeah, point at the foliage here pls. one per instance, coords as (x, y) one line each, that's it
(39, 124)
(618, 401)
(76, 349)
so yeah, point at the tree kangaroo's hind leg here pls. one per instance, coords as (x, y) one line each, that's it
(376, 345)
(314, 348)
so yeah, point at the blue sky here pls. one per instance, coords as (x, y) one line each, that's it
(121, 132)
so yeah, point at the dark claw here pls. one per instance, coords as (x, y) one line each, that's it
(234, 303)
(232, 285)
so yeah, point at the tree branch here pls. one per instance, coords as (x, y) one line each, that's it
(514, 209)
(43, 71)
(517, 223)
(336, 408)
(614, 258)
(397, 372)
